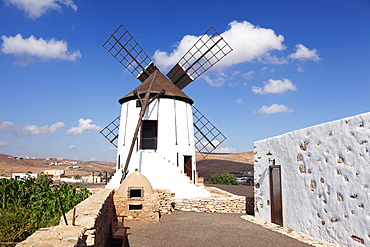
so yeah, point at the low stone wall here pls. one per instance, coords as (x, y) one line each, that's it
(165, 202)
(220, 202)
(92, 225)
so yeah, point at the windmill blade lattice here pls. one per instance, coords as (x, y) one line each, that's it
(207, 136)
(110, 132)
(206, 52)
(123, 47)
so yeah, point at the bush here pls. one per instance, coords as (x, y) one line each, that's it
(224, 178)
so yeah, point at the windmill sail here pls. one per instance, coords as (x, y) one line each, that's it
(123, 47)
(110, 132)
(206, 52)
(207, 136)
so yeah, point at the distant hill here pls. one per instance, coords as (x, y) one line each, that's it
(10, 164)
(213, 163)
(238, 163)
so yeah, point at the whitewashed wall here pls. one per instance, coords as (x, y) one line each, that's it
(164, 167)
(325, 180)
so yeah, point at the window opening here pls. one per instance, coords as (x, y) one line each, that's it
(149, 134)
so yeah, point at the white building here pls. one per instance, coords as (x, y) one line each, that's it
(22, 175)
(164, 149)
(318, 180)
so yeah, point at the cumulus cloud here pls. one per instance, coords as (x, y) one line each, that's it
(240, 101)
(3, 143)
(275, 86)
(28, 49)
(275, 108)
(249, 42)
(303, 53)
(225, 150)
(71, 147)
(30, 130)
(34, 9)
(83, 125)
(5, 125)
(53, 128)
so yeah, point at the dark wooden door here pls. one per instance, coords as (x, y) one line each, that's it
(275, 195)
(188, 166)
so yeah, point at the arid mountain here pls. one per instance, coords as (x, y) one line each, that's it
(241, 164)
(211, 164)
(10, 164)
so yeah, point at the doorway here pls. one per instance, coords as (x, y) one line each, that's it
(275, 195)
(188, 166)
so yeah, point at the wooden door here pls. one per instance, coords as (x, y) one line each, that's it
(188, 168)
(275, 195)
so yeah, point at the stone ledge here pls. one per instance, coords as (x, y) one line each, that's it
(91, 215)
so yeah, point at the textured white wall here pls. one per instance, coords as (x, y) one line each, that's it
(325, 180)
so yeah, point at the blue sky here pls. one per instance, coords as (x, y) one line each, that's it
(294, 64)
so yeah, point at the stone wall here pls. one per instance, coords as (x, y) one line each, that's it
(92, 225)
(325, 171)
(220, 202)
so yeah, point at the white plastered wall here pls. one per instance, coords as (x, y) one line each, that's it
(164, 166)
(325, 172)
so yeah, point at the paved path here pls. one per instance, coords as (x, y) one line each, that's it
(187, 229)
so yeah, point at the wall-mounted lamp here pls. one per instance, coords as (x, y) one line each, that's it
(270, 157)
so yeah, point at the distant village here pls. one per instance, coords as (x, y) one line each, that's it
(58, 175)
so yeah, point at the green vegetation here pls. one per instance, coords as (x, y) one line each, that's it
(224, 178)
(29, 204)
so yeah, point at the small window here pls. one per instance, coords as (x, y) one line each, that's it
(135, 192)
(135, 207)
(149, 134)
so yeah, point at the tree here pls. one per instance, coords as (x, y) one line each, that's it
(224, 178)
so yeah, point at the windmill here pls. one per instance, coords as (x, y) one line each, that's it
(155, 132)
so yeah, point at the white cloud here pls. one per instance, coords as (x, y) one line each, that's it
(3, 143)
(303, 53)
(275, 86)
(249, 43)
(275, 108)
(240, 101)
(53, 128)
(71, 147)
(37, 8)
(29, 48)
(215, 82)
(30, 130)
(225, 150)
(83, 125)
(93, 159)
(249, 75)
(5, 125)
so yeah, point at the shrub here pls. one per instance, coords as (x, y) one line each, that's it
(224, 178)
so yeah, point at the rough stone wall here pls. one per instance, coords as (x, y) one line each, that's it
(148, 212)
(165, 201)
(223, 203)
(325, 176)
(92, 225)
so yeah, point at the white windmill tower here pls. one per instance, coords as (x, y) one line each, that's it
(155, 132)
